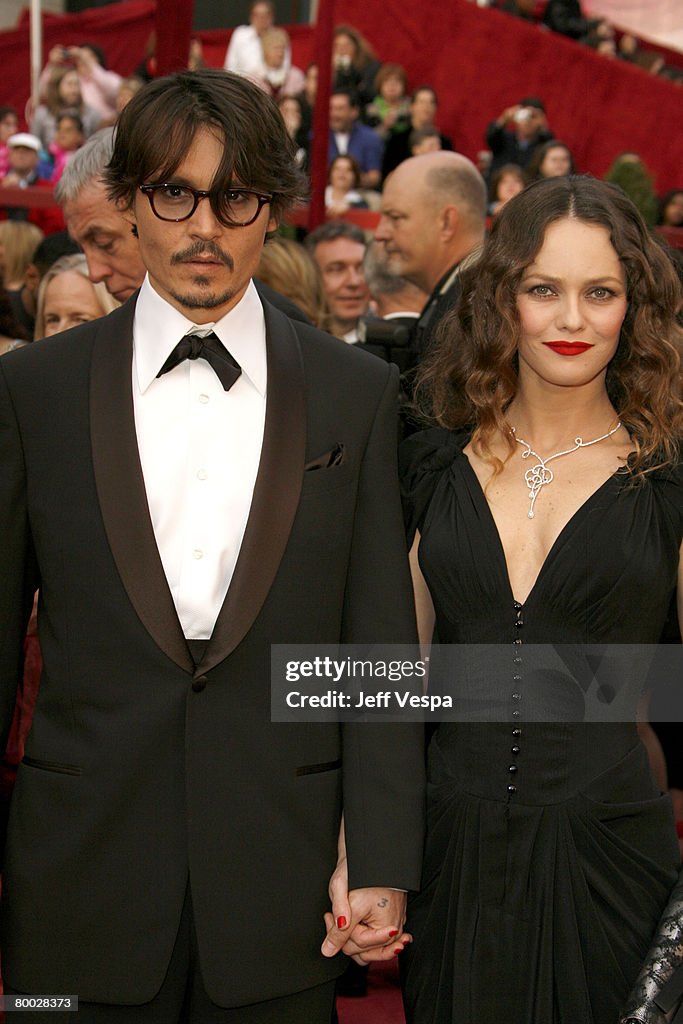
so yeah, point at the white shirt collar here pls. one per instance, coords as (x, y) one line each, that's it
(158, 327)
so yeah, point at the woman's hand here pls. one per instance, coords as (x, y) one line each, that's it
(366, 924)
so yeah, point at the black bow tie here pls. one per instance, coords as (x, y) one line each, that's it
(192, 346)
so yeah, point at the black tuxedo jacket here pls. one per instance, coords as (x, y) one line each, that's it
(142, 769)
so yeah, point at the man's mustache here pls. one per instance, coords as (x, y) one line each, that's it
(199, 249)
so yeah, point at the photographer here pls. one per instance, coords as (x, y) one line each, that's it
(98, 85)
(517, 133)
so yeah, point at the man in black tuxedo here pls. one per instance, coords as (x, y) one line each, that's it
(188, 481)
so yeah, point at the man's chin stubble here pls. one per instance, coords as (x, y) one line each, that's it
(210, 300)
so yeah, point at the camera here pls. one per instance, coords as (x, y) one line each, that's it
(391, 340)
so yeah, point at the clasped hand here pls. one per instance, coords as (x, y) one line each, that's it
(366, 924)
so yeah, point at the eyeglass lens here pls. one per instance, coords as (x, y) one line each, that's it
(174, 202)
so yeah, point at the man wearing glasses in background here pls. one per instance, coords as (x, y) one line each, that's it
(188, 481)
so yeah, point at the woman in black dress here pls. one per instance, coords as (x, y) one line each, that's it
(547, 509)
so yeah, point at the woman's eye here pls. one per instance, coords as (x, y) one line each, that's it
(541, 290)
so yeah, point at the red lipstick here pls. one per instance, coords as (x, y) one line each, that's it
(568, 348)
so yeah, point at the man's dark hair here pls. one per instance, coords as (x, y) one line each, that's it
(419, 135)
(156, 129)
(4, 111)
(331, 231)
(424, 88)
(532, 101)
(70, 115)
(52, 248)
(351, 94)
(97, 52)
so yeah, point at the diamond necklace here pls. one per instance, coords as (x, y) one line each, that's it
(539, 475)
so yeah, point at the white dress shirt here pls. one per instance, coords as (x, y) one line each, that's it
(199, 447)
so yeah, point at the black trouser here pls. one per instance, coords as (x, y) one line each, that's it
(182, 998)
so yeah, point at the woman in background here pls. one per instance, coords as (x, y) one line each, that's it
(277, 76)
(343, 183)
(389, 112)
(63, 94)
(286, 266)
(552, 160)
(67, 297)
(354, 64)
(671, 209)
(547, 509)
(18, 243)
(12, 334)
(506, 183)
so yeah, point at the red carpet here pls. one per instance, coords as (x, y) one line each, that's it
(382, 1005)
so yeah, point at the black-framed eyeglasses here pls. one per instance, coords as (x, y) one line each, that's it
(234, 207)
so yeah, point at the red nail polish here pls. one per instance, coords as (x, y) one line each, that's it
(394, 931)
(341, 921)
(399, 950)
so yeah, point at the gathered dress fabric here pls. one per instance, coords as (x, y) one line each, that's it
(550, 852)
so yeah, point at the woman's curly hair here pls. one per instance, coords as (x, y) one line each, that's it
(470, 377)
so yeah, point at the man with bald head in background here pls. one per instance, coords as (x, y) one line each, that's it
(432, 227)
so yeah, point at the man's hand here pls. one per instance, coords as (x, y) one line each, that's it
(366, 924)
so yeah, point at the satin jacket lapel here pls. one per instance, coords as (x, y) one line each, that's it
(121, 487)
(276, 493)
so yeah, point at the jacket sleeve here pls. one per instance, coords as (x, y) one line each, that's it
(383, 763)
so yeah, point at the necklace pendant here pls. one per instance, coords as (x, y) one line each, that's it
(540, 475)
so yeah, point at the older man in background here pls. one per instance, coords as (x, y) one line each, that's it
(96, 224)
(432, 227)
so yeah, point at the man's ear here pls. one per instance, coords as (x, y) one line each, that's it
(449, 220)
(128, 214)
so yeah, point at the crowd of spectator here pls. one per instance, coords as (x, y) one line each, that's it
(376, 123)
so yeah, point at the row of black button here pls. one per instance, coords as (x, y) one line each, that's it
(516, 697)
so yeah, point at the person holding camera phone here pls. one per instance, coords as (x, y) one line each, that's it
(98, 85)
(517, 133)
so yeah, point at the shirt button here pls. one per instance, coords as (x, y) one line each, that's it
(516, 713)
(514, 750)
(197, 553)
(516, 679)
(512, 768)
(518, 641)
(199, 684)
(517, 661)
(512, 790)
(516, 696)
(202, 474)
(204, 399)
(517, 732)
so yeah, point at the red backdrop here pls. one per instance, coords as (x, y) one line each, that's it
(479, 61)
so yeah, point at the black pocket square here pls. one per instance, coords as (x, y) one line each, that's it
(335, 457)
